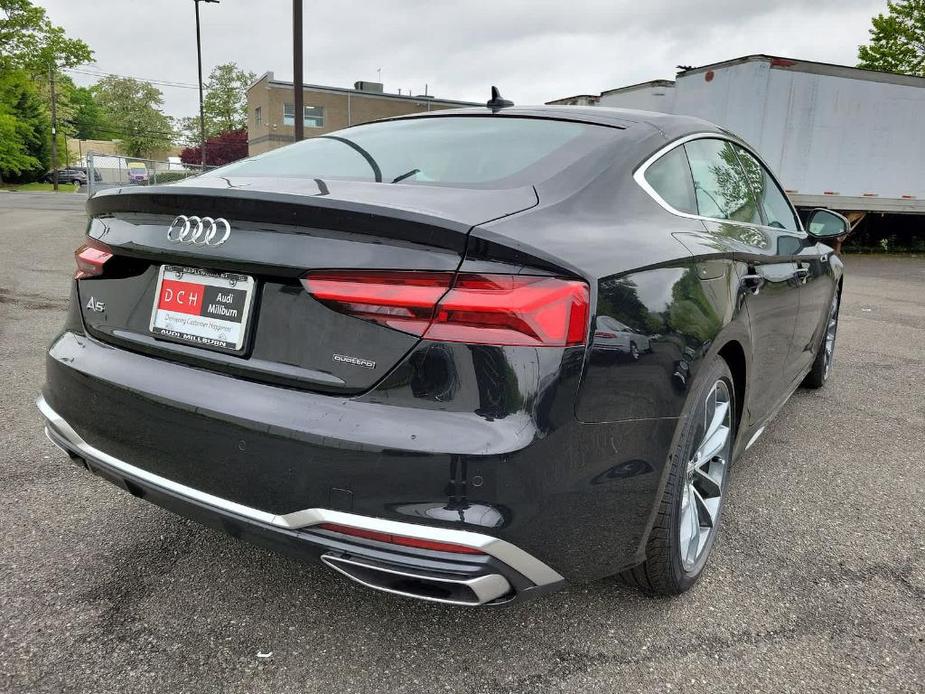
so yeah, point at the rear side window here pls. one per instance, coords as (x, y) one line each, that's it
(670, 177)
(771, 199)
(484, 151)
(721, 186)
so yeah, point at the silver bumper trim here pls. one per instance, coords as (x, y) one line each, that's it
(524, 563)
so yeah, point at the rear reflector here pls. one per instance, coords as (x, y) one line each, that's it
(506, 310)
(90, 258)
(399, 539)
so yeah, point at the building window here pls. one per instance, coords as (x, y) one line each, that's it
(258, 116)
(313, 116)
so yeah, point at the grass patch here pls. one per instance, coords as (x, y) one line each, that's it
(37, 187)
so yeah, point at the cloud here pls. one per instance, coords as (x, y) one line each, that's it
(535, 51)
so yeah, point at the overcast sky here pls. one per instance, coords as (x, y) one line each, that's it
(533, 50)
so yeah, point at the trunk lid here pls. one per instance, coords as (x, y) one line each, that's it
(279, 230)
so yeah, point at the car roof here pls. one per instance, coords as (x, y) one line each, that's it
(671, 125)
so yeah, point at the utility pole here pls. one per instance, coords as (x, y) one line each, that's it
(202, 116)
(299, 107)
(54, 129)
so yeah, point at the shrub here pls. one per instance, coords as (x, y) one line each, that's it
(171, 176)
(221, 149)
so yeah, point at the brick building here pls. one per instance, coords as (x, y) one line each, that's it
(271, 111)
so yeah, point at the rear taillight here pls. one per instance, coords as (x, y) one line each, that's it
(507, 310)
(90, 259)
(401, 300)
(401, 540)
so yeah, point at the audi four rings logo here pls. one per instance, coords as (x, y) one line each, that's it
(202, 231)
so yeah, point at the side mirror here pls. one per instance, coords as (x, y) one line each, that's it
(825, 224)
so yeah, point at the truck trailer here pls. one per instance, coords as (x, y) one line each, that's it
(839, 137)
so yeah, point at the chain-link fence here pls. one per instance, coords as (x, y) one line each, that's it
(115, 170)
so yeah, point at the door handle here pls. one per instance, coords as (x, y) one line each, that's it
(752, 282)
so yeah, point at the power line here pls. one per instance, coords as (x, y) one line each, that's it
(163, 83)
(167, 83)
(116, 131)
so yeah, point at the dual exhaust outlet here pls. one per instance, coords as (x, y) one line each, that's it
(443, 588)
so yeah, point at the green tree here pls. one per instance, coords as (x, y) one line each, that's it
(21, 24)
(87, 121)
(32, 50)
(67, 110)
(188, 131)
(28, 40)
(15, 158)
(225, 101)
(897, 40)
(24, 141)
(132, 108)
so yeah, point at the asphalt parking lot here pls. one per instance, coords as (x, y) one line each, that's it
(817, 582)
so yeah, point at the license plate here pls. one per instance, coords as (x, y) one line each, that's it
(202, 308)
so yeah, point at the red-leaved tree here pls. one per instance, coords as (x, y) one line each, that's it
(221, 149)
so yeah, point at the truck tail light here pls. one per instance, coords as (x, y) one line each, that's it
(504, 310)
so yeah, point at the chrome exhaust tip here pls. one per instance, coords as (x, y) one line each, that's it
(422, 585)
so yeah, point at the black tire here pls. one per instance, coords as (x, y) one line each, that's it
(663, 572)
(825, 358)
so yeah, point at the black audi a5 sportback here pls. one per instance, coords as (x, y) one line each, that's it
(464, 356)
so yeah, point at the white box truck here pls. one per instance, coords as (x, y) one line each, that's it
(838, 137)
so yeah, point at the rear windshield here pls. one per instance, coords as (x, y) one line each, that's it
(482, 151)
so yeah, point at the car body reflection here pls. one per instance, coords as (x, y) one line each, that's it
(454, 512)
(611, 337)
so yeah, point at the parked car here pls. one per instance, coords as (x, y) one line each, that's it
(97, 176)
(618, 338)
(380, 350)
(66, 176)
(137, 173)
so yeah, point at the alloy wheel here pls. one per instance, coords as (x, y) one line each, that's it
(705, 477)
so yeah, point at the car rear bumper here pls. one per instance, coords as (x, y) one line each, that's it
(267, 462)
(502, 572)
